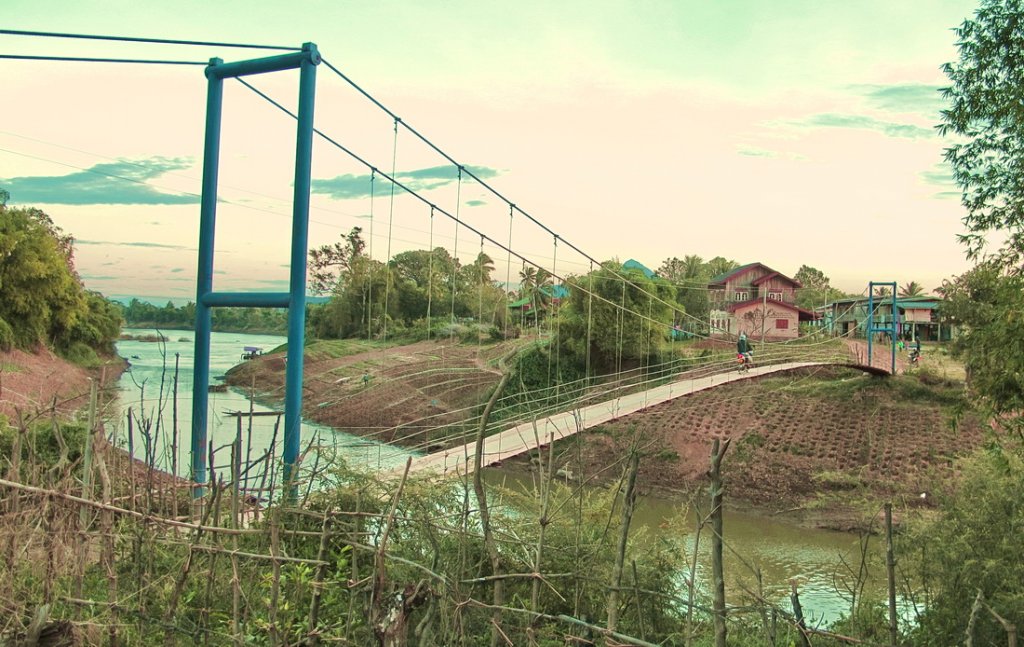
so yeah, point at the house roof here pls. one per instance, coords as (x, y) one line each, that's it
(557, 292)
(913, 303)
(721, 279)
(803, 314)
(917, 305)
(637, 265)
(725, 276)
(773, 275)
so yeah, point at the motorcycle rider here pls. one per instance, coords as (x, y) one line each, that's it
(744, 349)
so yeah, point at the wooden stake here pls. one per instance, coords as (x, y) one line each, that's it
(717, 566)
(890, 568)
(798, 614)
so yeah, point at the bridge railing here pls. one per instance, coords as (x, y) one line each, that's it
(522, 407)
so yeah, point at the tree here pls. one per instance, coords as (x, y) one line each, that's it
(535, 285)
(42, 300)
(987, 303)
(690, 278)
(986, 113)
(328, 264)
(815, 289)
(627, 319)
(911, 289)
(720, 265)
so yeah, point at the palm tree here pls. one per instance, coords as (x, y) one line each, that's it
(693, 267)
(912, 289)
(532, 286)
(482, 268)
(527, 280)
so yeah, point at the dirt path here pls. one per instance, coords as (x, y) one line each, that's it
(31, 383)
(881, 355)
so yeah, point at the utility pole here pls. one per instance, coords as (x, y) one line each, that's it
(764, 313)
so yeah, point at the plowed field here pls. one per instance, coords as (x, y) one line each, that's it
(794, 437)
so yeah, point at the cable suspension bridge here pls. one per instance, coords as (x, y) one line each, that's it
(563, 417)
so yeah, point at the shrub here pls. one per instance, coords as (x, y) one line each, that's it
(972, 546)
(6, 335)
(79, 353)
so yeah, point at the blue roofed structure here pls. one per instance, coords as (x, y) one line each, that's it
(637, 265)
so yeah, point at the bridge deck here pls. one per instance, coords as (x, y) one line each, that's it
(522, 438)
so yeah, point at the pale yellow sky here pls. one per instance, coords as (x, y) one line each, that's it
(789, 133)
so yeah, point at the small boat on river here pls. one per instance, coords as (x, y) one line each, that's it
(251, 352)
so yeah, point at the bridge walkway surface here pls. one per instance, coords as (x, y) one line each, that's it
(459, 460)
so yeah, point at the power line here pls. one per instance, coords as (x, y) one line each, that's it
(491, 189)
(139, 39)
(84, 59)
(459, 222)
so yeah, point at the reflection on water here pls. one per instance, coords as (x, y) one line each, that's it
(148, 387)
(813, 557)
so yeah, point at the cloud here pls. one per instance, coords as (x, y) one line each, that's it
(175, 270)
(904, 97)
(759, 152)
(100, 277)
(134, 244)
(349, 187)
(863, 122)
(940, 176)
(120, 182)
(475, 203)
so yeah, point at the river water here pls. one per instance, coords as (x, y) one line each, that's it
(781, 551)
(147, 387)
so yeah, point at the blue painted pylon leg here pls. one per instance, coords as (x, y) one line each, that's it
(204, 276)
(297, 282)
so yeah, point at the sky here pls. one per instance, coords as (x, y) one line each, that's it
(789, 133)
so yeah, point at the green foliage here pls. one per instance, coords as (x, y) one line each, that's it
(627, 319)
(6, 335)
(815, 290)
(988, 305)
(42, 443)
(79, 353)
(142, 314)
(911, 289)
(40, 295)
(328, 263)
(690, 278)
(985, 98)
(973, 545)
(42, 300)
(369, 297)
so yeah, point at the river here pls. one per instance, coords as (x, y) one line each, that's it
(147, 387)
(780, 550)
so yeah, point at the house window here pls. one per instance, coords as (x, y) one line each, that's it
(782, 324)
(775, 296)
(741, 295)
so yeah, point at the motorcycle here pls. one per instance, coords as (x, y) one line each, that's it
(745, 362)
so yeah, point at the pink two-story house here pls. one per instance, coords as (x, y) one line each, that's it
(757, 300)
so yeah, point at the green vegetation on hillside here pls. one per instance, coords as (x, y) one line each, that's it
(42, 299)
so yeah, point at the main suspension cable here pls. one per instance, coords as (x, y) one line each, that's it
(137, 39)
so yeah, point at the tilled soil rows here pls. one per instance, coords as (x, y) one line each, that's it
(788, 444)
